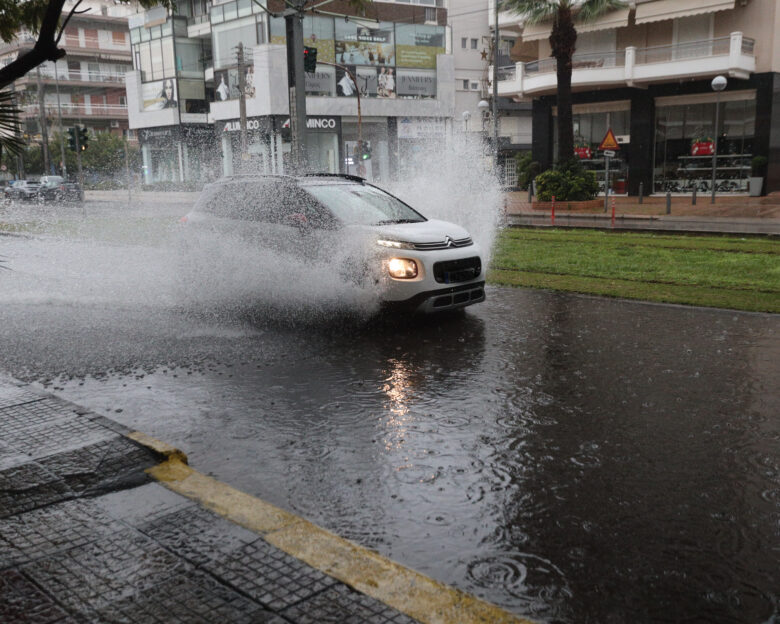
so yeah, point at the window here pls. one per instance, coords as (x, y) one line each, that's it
(475, 86)
(225, 38)
(464, 42)
(430, 15)
(465, 85)
(473, 44)
(122, 100)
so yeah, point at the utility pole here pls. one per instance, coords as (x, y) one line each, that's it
(42, 123)
(78, 157)
(242, 100)
(296, 83)
(127, 173)
(495, 86)
(59, 118)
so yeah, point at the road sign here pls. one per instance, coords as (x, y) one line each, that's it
(609, 142)
(610, 153)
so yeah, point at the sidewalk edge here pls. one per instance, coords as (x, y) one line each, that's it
(410, 592)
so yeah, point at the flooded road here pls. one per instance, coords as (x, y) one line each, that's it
(573, 459)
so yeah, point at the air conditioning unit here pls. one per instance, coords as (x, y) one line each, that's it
(114, 123)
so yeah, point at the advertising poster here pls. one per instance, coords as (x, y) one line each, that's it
(222, 88)
(418, 44)
(360, 45)
(416, 83)
(159, 95)
(318, 33)
(372, 82)
(322, 81)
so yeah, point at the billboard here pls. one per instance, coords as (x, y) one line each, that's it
(418, 44)
(159, 95)
(358, 44)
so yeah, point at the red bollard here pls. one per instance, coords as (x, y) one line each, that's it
(552, 214)
(613, 211)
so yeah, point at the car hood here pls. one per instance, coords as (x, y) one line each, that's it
(431, 231)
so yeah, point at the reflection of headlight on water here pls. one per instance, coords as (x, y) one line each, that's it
(402, 268)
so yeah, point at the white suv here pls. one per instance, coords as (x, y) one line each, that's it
(425, 265)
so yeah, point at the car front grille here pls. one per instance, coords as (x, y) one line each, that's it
(454, 271)
(447, 243)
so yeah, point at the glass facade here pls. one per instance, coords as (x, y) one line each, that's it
(685, 143)
(590, 128)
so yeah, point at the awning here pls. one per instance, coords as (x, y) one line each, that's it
(613, 19)
(671, 9)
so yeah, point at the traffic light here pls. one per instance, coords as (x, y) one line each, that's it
(309, 59)
(83, 139)
(72, 139)
(364, 150)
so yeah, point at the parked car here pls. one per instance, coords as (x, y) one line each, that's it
(57, 188)
(368, 235)
(21, 190)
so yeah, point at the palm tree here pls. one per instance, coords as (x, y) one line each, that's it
(10, 124)
(563, 39)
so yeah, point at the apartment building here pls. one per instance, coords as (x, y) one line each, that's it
(645, 72)
(89, 79)
(472, 50)
(184, 90)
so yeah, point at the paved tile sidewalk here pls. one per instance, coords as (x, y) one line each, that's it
(86, 536)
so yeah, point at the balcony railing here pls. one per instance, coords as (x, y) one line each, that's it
(680, 51)
(733, 55)
(94, 44)
(70, 76)
(70, 109)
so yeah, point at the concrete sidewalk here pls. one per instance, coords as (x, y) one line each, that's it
(101, 524)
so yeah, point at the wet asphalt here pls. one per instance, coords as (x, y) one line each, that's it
(573, 459)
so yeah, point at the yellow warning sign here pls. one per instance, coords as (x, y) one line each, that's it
(609, 142)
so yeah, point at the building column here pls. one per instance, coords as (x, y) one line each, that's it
(640, 150)
(542, 136)
(767, 130)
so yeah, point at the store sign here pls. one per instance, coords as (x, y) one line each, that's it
(235, 126)
(421, 128)
(316, 123)
(360, 45)
(151, 134)
(419, 83)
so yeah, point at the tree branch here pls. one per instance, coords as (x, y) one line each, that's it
(67, 19)
(45, 48)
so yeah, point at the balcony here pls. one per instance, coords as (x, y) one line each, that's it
(71, 110)
(74, 78)
(732, 55)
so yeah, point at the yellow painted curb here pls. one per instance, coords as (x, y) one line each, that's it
(410, 592)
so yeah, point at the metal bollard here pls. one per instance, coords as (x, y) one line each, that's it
(641, 191)
(693, 197)
(668, 202)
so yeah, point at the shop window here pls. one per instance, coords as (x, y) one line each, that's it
(189, 63)
(227, 36)
(686, 141)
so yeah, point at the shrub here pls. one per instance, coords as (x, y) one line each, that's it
(527, 169)
(567, 182)
(757, 166)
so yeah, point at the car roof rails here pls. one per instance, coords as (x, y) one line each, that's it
(346, 176)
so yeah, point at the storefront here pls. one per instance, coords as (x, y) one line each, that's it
(685, 135)
(176, 154)
(591, 123)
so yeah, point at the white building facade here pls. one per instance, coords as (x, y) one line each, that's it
(184, 93)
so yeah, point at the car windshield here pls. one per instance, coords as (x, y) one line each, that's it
(356, 204)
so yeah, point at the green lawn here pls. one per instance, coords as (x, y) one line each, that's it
(717, 271)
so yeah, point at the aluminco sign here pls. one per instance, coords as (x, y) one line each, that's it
(316, 123)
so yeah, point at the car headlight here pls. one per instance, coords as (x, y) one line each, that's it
(394, 244)
(402, 268)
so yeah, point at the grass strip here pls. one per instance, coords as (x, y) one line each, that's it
(607, 237)
(753, 301)
(722, 271)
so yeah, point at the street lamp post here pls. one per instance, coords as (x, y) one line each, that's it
(483, 107)
(718, 84)
(466, 116)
